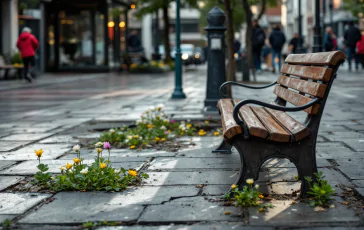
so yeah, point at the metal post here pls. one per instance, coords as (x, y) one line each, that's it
(216, 74)
(126, 31)
(331, 6)
(300, 40)
(156, 37)
(317, 47)
(178, 91)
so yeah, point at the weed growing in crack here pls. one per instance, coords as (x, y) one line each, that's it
(320, 190)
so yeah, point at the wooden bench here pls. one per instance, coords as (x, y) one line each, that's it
(7, 68)
(266, 131)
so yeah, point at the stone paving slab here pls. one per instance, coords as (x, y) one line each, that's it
(80, 207)
(359, 183)
(193, 164)
(18, 203)
(215, 226)
(30, 167)
(301, 214)
(51, 151)
(192, 178)
(343, 136)
(360, 192)
(25, 137)
(10, 145)
(189, 210)
(355, 127)
(60, 139)
(6, 217)
(352, 168)
(357, 145)
(286, 163)
(205, 152)
(5, 164)
(7, 181)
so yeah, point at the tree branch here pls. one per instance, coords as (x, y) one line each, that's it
(262, 10)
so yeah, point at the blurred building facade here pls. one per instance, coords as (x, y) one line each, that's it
(9, 26)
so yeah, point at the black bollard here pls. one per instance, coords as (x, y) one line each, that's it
(216, 74)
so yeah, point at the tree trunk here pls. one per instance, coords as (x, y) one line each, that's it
(248, 35)
(230, 42)
(167, 46)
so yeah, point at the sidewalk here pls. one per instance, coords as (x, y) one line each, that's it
(183, 185)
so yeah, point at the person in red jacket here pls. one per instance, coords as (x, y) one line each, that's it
(27, 45)
(360, 49)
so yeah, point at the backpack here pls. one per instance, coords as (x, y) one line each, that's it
(278, 40)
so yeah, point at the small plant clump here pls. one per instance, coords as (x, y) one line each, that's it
(249, 196)
(320, 190)
(153, 127)
(100, 175)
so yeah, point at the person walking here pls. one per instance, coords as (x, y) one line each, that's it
(352, 36)
(293, 44)
(276, 41)
(360, 50)
(328, 40)
(27, 45)
(258, 40)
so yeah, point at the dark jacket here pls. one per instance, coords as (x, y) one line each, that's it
(277, 39)
(352, 36)
(328, 42)
(258, 37)
(294, 43)
(27, 44)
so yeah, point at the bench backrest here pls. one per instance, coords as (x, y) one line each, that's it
(308, 76)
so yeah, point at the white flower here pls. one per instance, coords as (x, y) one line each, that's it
(84, 171)
(126, 140)
(76, 148)
(99, 144)
(129, 137)
(183, 122)
(163, 127)
(140, 138)
(256, 186)
(112, 131)
(144, 122)
(160, 106)
(62, 168)
(139, 122)
(166, 120)
(189, 120)
(181, 126)
(151, 108)
(116, 171)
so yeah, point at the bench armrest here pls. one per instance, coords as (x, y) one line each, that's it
(271, 106)
(222, 87)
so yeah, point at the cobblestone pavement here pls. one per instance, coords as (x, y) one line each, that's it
(58, 111)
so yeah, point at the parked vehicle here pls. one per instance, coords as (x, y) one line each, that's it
(199, 56)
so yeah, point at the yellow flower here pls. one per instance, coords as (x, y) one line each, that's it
(216, 133)
(234, 186)
(150, 126)
(249, 181)
(207, 122)
(76, 160)
(132, 147)
(201, 132)
(182, 133)
(99, 150)
(133, 65)
(260, 196)
(136, 136)
(69, 166)
(132, 172)
(102, 165)
(38, 153)
(189, 125)
(157, 139)
(261, 210)
(163, 139)
(62, 168)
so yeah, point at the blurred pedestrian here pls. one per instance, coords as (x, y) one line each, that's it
(133, 42)
(328, 39)
(276, 41)
(258, 40)
(352, 36)
(360, 50)
(295, 41)
(27, 45)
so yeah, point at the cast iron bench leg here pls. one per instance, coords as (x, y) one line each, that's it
(223, 148)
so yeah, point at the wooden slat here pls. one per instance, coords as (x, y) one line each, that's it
(296, 99)
(312, 88)
(308, 72)
(322, 58)
(255, 127)
(229, 126)
(276, 132)
(298, 130)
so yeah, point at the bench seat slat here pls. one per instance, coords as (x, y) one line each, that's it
(276, 132)
(312, 88)
(321, 58)
(255, 127)
(298, 130)
(229, 126)
(308, 72)
(296, 99)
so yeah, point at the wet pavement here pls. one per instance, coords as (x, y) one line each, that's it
(57, 111)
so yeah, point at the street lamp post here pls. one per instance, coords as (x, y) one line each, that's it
(317, 46)
(300, 40)
(331, 6)
(178, 91)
